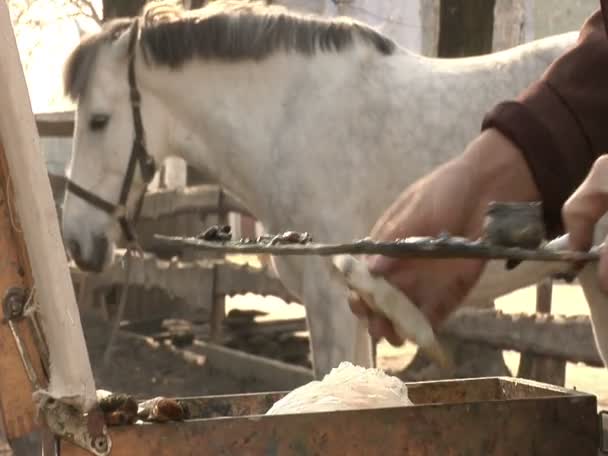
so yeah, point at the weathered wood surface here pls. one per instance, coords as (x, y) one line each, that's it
(17, 410)
(537, 367)
(35, 214)
(57, 124)
(568, 338)
(190, 280)
(199, 199)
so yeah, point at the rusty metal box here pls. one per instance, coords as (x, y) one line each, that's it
(483, 416)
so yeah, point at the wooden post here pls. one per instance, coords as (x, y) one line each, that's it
(121, 8)
(218, 307)
(543, 368)
(466, 28)
(33, 214)
(509, 24)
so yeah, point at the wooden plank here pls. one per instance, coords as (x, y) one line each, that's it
(567, 338)
(15, 387)
(198, 199)
(188, 280)
(55, 124)
(34, 208)
(466, 28)
(218, 307)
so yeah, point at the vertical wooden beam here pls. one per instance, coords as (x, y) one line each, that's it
(16, 405)
(218, 306)
(537, 367)
(465, 27)
(34, 217)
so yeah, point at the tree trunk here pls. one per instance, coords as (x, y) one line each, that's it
(466, 27)
(121, 8)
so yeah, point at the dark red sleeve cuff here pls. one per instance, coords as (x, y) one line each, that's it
(554, 146)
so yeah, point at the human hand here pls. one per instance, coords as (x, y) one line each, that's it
(452, 198)
(584, 209)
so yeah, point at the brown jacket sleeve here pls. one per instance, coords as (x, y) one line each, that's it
(561, 122)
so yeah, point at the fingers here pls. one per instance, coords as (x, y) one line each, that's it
(587, 205)
(603, 270)
(358, 307)
(378, 326)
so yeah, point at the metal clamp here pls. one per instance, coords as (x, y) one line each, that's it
(87, 431)
(13, 304)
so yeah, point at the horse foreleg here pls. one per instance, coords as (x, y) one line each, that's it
(336, 335)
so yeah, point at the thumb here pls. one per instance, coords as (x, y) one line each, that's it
(587, 205)
(603, 270)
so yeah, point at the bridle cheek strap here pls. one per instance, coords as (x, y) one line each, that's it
(139, 156)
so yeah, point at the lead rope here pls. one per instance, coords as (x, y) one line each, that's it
(138, 155)
(134, 249)
(128, 260)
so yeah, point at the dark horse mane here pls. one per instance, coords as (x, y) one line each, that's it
(224, 29)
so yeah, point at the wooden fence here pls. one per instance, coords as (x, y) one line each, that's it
(546, 341)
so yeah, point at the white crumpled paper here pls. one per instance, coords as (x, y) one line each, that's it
(346, 387)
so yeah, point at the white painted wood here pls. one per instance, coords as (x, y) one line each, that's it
(70, 369)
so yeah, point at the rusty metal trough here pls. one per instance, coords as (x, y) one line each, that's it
(497, 416)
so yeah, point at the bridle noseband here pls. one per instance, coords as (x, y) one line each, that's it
(139, 156)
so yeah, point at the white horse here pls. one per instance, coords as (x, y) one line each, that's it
(315, 124)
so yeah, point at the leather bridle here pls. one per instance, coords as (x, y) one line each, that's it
(139, 156)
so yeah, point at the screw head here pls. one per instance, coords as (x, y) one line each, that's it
(14, 301)
(100, 443)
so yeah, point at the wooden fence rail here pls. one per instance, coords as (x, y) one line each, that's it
(556, 336)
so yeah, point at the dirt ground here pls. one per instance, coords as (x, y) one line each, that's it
(145, 369)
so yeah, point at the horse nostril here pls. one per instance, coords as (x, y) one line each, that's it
(100, 247)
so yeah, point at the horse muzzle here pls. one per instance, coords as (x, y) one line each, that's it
(92, 259)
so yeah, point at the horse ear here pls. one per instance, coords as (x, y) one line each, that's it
(125, 42)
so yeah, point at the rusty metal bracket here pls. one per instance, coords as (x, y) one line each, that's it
(85, 430)
(14, 303)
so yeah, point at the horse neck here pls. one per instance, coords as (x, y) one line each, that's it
(230, 113)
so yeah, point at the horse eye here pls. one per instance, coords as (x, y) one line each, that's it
(98, 121)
